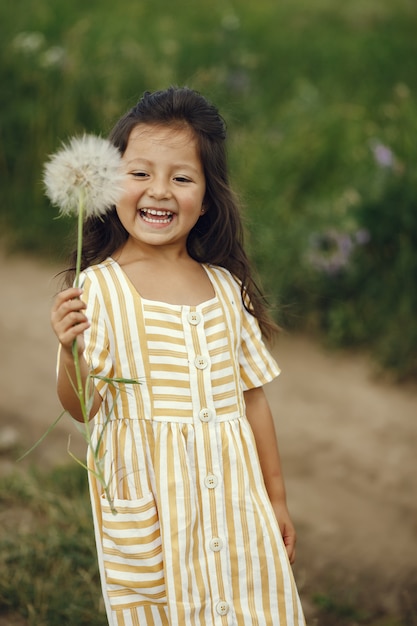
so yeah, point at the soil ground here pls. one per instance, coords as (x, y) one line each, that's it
(347, 439)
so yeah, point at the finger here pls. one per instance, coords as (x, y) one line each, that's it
(69, 321)
(66, 317)
(74, 322)
(68, 308)
(71, 294)
(73, 318)
(69, 335)
(289, 542)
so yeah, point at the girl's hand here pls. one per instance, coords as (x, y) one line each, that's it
(68, 319)
(287, 529)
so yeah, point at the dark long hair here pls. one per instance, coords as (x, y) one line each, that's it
(217, 238)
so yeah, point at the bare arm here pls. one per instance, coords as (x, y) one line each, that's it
(260, 418)
(69, 323)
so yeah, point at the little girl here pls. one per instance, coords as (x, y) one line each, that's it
(202, 534)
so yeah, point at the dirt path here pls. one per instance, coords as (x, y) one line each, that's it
(347, 440)
(348, 443)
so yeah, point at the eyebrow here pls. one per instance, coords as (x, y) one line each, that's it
(175, 166)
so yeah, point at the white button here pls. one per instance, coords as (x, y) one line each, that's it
(222, 607)
(201, 362)
(206, 415)
(216, 544)
(194, 318)
(211, 481)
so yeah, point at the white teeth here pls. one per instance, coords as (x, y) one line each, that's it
(157, 213)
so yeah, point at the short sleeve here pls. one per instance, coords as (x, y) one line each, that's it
(97, 350)
(257, 366)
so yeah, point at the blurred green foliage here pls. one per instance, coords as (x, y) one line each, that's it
(48, 570)
(320, 104)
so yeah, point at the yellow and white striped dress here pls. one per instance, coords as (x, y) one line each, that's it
(195, 541)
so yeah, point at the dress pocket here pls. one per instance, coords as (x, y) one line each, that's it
(132, 553)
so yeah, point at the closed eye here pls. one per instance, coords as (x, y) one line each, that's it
(139, 174)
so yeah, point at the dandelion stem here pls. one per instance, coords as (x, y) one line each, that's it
(81, 200)
(84, 393)
(80, 389)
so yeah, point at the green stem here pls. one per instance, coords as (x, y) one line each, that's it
(79, 383)
(79, 238)
(83, 393)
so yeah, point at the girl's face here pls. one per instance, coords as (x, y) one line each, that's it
(165, 185)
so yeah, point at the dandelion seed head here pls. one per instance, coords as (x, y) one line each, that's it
(88, 170)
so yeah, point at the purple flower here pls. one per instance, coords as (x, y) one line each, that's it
(362, 236)
(330, 251)
(383, 155)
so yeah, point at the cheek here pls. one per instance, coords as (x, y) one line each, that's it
(128, 196)
(193, 201)
(125, 209)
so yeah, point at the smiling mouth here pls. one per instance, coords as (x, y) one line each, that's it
(156, 216)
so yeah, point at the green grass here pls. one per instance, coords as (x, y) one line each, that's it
(48, 570)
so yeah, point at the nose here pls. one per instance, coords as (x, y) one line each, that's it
(159, 188)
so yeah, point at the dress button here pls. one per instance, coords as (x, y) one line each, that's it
(216, 544)
(201, 362)
(211, 481)
(194, 318)
(205, 415)
(222, 607)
